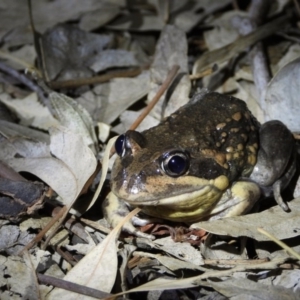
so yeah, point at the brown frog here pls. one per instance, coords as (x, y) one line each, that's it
(210, 159)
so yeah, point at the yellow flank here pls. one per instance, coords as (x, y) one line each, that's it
(200, 208)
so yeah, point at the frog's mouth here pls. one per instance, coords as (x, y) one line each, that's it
(186, 200)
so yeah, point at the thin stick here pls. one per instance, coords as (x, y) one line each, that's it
(70, 286)
(23, 79)
(159, 93)
(59, 223)
(280, 243)
(217, 262)
(93, 80)
(95, 225)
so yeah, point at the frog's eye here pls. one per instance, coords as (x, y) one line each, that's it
(119, 145)
(175, 164)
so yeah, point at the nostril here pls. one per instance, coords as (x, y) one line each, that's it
(136, 183)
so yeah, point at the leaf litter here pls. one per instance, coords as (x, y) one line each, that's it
(127, 49)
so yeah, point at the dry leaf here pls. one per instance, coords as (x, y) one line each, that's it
(250, 290)
(167, 284)
(105, 165)
(16, 280)
(98, 17)
(167, 54)
(74, 117)
(97, 269)
(12, 240)
(67, 173)
(171, 263)
(282, 96)
(116, 96)
(183, 251)
(31, 112)
(223, 32)
(18, 198)
(14, 22)
(279, 223)
(69, 52)
(114, 58)
(12, 130)
(25, 54)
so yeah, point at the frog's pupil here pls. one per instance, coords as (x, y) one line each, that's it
(119, 144)
(177, 164)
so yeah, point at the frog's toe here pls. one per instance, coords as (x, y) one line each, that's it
(277, 196)
(144, 220)
(128, 227)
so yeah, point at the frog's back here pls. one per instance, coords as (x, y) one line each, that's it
(214, 127)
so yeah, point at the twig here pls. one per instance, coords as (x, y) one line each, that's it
(217, 262)
(95, 225)
(70, 286)
(25, 80)
(66, 256)
(280, 243)
(93, 80)
(60, 218)
(155, 99)
(288, 37)
(72, 224)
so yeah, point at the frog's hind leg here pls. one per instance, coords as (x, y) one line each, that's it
(276, 160)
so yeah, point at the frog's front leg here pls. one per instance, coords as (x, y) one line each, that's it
(276, 160)
(115, 210)
(237, 201)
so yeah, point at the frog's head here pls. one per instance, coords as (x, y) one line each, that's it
(167, 180)
(180, 169)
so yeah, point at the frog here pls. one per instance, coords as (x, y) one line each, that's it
(210, 159)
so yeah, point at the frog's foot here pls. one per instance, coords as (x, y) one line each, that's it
(128, 227)
(281, 184)
(115, 211)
